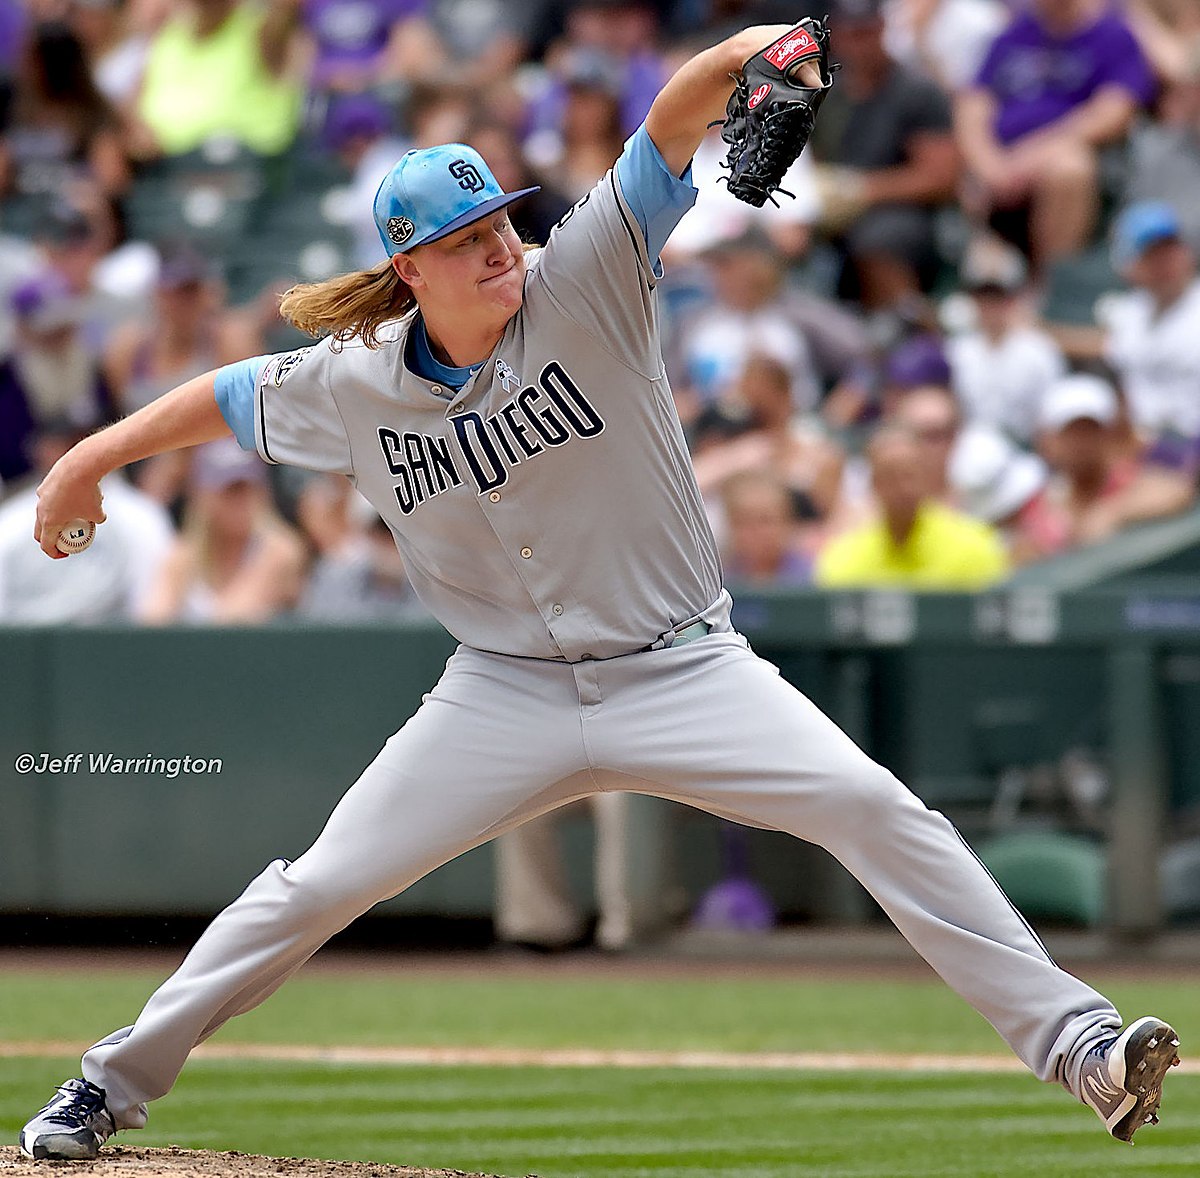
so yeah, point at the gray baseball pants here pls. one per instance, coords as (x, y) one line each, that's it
(501, 739)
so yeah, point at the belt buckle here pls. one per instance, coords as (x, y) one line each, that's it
(689, 633)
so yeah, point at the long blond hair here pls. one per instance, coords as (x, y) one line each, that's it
(349, 305)
(355, 304)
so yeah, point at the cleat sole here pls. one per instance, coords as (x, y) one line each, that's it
(1149, 1054)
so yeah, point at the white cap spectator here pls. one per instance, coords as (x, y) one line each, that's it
(994, 478)
(1077, 397)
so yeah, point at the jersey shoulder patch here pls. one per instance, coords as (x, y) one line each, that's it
(280, 367)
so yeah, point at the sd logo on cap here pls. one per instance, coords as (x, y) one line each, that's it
(434, 192)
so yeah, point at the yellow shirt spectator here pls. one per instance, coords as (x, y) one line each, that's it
(199, 85)
(944, 550)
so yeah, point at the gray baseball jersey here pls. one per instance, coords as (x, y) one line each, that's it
(493, 492)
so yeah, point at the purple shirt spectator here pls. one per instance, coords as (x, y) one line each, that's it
(12, 34)
(352, 32)
(1037, 78)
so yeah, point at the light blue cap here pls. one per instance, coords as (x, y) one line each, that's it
(1139, 227)
(435, 191)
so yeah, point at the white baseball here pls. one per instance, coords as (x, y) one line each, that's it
(75, 536)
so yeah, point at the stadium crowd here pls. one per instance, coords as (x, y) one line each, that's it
(969, 339)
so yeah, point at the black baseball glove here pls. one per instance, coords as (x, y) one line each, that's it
(771, 112)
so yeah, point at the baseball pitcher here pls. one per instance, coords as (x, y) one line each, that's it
(507, 412)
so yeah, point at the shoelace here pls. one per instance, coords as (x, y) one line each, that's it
(82, 1103)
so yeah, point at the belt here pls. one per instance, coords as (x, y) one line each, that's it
(680, 637)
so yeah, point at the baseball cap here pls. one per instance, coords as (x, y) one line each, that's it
(182, 265)
(45, 303)
(993, 477)
(1077, 397)
(993, 271)
(433, 192)
(917, 361)
(354, 116)
(1139, 227)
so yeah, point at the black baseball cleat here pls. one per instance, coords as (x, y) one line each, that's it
(72, 1127)
(1122, 1078)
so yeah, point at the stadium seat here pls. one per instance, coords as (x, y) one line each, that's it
(1049, 875)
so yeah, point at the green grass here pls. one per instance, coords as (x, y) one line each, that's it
(604, 1123)
(751, 1014)
(613, 1123)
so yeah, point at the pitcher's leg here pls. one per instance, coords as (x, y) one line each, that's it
(754, 748)
(428, 796)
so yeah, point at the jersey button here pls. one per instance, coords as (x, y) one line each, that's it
(457, 409)
(526, 552)
(557, 609)
(438, 390)
(495, 496)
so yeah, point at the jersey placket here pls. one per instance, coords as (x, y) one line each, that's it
(558, 607)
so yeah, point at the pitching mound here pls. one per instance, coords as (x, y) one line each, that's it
(122, 1161)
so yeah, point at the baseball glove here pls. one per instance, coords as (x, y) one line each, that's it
(771, 112)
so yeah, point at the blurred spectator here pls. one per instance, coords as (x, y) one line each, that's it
(115, 35)
(221, 69)
(888, 160)
(1042, 126)
(362, 579)
(359, 45)
(749, 311)
(49, 375)
(719, 216)
(722, 18)
(1168, 32)
(624, 34)
(1004, 365)
(108, 581)
(237, 561)
(916, 542)
(916, 363)
(536, 215)
(1164, 153)
(932, 417)
(535, 907)
(589, 136)
(1154, 329)
(1082, 443)
(187, 333)
(761, 547)
(63, 134)
(1004, 486)
(477, 42)
(946, 40)
(358, 130)
(776, 442)
(12, 36)
(1098, 486)
(76, 238)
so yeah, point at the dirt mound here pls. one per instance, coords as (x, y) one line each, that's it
(123, 1161)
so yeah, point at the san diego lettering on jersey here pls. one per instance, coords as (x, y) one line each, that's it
(541, 416)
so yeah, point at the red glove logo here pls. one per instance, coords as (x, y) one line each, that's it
(758, 95)
(790, 49)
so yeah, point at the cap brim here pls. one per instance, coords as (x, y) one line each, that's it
(476, 214)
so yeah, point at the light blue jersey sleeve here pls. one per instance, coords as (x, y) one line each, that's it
(235, 384)
(657, 198)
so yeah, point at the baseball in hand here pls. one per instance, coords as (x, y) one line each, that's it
(75, 536)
